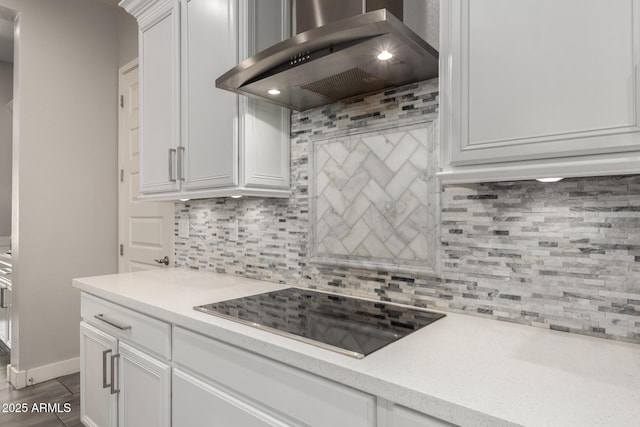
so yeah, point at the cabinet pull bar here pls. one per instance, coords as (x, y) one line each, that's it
(112, 323)
(3, 298)
(180, 163)
(104, 368)
(172, 155)
(113, 363)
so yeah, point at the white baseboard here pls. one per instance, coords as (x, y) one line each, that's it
(29, 377)
(18, 379)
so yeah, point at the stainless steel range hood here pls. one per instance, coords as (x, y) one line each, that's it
(335, 61)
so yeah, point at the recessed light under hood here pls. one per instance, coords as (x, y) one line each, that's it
(334, 62)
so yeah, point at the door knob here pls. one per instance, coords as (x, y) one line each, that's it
(164, 260)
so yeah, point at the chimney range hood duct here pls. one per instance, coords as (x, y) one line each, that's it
(337, 60)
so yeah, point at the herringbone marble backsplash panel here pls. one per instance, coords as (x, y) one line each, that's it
(564, 256)
(373, 199)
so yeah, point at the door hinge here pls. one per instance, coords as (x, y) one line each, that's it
(121, 175)
(121, 101)
(121, 249)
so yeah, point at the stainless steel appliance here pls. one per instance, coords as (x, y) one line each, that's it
(346, 48)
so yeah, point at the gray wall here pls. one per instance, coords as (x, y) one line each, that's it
(64, 180)
(6, 95)
(127, 38)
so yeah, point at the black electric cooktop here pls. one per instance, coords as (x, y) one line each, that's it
(350, 326)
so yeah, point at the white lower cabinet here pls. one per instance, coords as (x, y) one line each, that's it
(135, 374)
(125, 375)
(120, 385)
(98, 405)
(255, 386)
(5, 312)
(197, 403)
(5, 299)
(145, 389)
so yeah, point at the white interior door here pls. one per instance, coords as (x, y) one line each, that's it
(146, 229)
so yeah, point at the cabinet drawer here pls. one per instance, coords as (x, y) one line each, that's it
(196, 403)
(128, 325)
(308, 398)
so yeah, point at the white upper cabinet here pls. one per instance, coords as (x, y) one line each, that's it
(199, 141)
(209, 115)
(539, 88)
(159, 31)
(265, 127)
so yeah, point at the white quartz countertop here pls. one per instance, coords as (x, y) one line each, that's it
(466, 370)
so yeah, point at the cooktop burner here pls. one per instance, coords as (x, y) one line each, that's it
(348, 325)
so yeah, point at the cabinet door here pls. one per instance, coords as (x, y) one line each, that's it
(209, 115)
(538, 79)
(8, 304)
(200, 404)
(265, 128)
(312, 400)
(98, 407)
(5, 315)
(160, 97)
(145, 389)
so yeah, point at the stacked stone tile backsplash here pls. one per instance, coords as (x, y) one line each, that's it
(564, 256)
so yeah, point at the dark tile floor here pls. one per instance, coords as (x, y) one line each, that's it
(5, 359)
(61, 390)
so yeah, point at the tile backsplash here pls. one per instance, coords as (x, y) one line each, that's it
(564, 256)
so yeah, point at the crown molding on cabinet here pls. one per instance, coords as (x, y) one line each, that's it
(137, 8)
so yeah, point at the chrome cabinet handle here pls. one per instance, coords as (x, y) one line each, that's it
(104, 368)
(3, 298)
(180, 163)
(172, 155)
(164, 260)
(113, 363)
(111, 322)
